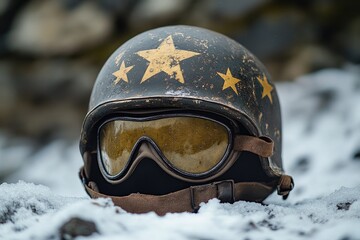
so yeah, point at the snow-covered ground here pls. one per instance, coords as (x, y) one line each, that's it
(321, 150)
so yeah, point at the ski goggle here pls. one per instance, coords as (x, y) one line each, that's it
(192, 146)
(189, 144)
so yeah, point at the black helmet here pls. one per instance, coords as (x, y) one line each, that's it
(179, 115)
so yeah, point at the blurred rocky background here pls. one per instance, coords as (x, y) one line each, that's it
(51, 51)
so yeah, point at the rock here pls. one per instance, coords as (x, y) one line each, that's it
(232, 10)
(302, 165)
(149, 13)
(46, 121)
(3, 6)
(45, 99)
(48, 28)
(8, 12)
(275, 33)
(222, 15)
(344, 206)
(76, 227)
(309, 58)
(7, 92)
(55, 80)
(356, 156)
(118, 7)
(350, 41)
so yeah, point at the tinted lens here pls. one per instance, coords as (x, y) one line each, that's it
(190, 144)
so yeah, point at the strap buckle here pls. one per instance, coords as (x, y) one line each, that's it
(225, 190)
(222, 190)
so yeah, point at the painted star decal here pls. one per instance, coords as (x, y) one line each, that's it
(229, 81)
(121, 74)
(267, 88)
(166, 58)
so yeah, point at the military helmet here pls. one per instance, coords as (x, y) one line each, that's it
(179, 115)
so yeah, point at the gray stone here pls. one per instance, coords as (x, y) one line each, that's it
(225, 16)
(45, 99)
(7, 93)
(4, 4)
(55, 80)
(46, 121)
(233, 9)
(48, 28)
(76, 227)
(275, 33)
(154, 12)
(309, 59)
(118, 7)
(350, 41)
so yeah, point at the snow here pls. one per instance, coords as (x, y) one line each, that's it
(12, 155)
(321, 150)
(40, 213)
(23, 204)
(322, 131)
(55, 166)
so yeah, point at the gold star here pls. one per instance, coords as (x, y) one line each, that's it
(165, 58)
(122, 73)
(267, 88)
(229, 81)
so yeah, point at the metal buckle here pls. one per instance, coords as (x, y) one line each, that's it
(224, 192)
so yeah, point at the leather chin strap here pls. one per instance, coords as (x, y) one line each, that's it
(189, 199)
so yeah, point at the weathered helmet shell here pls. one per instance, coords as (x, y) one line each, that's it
(132, 79)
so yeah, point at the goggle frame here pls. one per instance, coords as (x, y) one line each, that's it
(225, 122)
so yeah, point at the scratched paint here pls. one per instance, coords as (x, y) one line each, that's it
(267, 88)
(165, 58)
(229, 80)
(121, 74)
(188, 63)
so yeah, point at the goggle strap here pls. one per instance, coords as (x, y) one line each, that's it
(189, 199)
(262, 146)
(285, 185)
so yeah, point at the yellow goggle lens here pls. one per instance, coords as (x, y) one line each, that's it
(190, 144)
